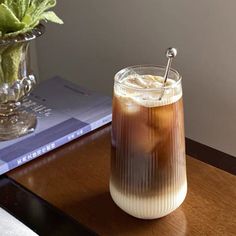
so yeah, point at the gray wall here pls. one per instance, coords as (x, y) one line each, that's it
(100, 37)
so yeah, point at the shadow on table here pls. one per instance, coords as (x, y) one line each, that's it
(102, 215)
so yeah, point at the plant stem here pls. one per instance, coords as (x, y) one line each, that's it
(11, 58)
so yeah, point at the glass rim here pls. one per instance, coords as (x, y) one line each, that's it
(37, 31)
(172, 86)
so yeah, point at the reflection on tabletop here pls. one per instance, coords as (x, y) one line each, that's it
(75, 178)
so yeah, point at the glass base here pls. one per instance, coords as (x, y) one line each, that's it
(149, 208)
(17, 125)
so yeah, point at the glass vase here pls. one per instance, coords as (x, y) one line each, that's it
(16, 82)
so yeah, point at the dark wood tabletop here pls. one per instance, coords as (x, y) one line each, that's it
(75, 179)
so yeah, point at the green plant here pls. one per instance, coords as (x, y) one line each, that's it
(18, 17)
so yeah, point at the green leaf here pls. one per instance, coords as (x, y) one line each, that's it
(2, 48)
(38, 10)
(1, 73)
(44, 4)
(27, 20)
(17, 7)
(8, 21)
(51, 16)
(12, 5)
(25, 6)
(22, 8)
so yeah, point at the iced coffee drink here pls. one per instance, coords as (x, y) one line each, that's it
(148, 170)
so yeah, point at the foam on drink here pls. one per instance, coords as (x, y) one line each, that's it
(148, 177)
(154, 88)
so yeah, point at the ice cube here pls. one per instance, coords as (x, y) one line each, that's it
(163, 119)
(144, 139)
(128, 105)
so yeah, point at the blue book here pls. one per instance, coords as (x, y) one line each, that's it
(65, 112)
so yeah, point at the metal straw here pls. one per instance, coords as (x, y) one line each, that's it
(170, 54)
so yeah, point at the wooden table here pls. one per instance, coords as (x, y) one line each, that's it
(75, 178)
